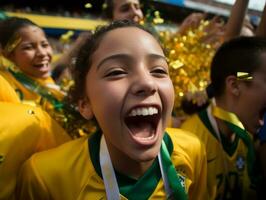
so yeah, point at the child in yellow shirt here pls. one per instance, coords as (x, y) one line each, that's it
(123, 83)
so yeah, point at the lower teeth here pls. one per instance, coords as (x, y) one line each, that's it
(146, 138)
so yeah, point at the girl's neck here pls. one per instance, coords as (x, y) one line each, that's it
(223, 128)
(134, 170)
(127, 166)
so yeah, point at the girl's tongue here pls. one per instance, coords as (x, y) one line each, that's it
(141, 128)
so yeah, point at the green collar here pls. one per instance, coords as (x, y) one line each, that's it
(35, 87)
(229, 147)
(131, 188)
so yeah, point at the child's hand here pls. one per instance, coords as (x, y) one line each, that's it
(191, 22)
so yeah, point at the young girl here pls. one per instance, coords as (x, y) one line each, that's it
(25, 45)
(238, 83)
(123, 83)
(24, 129)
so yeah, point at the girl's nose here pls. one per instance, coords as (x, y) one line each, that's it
(41, 51)
(144, 85)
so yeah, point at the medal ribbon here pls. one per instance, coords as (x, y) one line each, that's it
(172, 182)
(237, 127)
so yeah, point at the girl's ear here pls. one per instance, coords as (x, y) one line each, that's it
(232, 85)
(85, 108)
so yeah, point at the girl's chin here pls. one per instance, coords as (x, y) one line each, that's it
(147, 156)
(146, 153)
(42, 74)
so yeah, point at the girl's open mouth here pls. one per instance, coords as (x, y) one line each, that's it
(143, 124)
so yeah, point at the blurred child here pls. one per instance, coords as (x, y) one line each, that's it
(123, 9)
(123, 83)
(115, 10)
(25, 45)
(238, 85)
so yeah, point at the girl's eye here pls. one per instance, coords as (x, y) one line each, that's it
(115, 73)
(160, 71)
(45, 45)
(28, 47)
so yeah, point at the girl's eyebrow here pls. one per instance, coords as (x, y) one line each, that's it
(112, 57)
(128, 57)
(24, 43)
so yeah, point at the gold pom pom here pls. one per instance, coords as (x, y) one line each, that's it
(189, 61)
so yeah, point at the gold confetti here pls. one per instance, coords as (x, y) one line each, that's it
(189, 61)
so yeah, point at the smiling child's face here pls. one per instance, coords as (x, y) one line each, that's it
(33, 54)
(130, 93)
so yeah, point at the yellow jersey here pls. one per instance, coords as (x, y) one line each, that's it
(226, 162)
(24, 130)
(28, 91)
(72, 171)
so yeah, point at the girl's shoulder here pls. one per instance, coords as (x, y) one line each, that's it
(183, 139)
(187, 148)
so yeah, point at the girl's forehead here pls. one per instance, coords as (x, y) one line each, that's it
(130, 41)
(32, 33)
(127, 35)
(127, 39)
(26, 30)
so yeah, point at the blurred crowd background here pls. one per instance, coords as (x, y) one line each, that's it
(61, 35)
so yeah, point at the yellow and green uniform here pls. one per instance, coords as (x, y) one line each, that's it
(42, 92)
(48, 95)
(227, 170)
(24, 130)
(4, 62)
(72, 171)
(7, 93)
(39, 92)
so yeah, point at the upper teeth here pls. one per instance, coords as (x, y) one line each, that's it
(143, 111)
